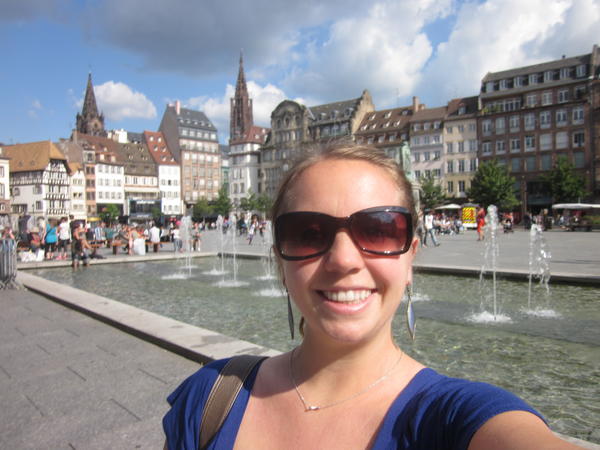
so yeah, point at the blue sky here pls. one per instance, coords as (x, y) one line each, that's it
(146, 53)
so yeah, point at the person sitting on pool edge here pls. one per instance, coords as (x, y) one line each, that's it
(343, 224)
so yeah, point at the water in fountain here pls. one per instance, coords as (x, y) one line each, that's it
(489, 307)
(219, 265)
(539, 267)
(267, 249)
(234, 282)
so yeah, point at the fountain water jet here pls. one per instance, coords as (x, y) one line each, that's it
(539, 267)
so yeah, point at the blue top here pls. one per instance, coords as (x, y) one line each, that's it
(432, 412)
(51, 236)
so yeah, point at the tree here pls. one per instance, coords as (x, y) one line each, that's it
(263, 204)
(201, 210)
(222, 204)
(110, 213)
(248, 203)
(493, 185)
(432, 194)
(563, 183)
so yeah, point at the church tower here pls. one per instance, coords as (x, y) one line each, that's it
(241, 120)
(89, 121)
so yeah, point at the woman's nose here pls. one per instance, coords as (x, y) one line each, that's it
(343, 255)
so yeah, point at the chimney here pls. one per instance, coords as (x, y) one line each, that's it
(177, 107)
(415, 104)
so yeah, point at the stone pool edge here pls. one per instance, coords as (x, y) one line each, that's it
(195, 343)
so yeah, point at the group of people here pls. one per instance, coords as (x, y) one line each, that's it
(429, 225)
(344, 233)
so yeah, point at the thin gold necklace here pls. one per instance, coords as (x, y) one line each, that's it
(308, 407)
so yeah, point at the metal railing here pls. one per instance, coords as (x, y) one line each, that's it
(8, 264)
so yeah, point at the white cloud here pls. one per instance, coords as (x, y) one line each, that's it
(383, 50)
(503, 34)
(117, 101)
(264, 100)
(36, 106)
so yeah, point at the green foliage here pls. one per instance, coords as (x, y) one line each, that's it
(564, 184)
(110, 213)
(156, 213)
(201, 210)
(248, 203)
(493, 185)
(263, 204)
(432, 194)
(222, 204)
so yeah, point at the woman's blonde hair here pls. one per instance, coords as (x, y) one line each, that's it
(344, 151)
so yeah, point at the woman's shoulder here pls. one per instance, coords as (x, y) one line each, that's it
(436, 408)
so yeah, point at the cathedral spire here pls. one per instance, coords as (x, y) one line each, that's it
(90, 121)
(241, 120)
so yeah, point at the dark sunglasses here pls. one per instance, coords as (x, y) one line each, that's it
(383, 230)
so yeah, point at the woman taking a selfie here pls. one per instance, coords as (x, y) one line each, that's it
(343, 234)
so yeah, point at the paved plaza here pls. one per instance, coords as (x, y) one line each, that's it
(70, 381)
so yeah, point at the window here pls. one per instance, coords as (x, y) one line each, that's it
(518, 82)
(38, 205)
(416, 157)
(436, 125)
(449, 129)
(500, 147)
(563, 96)
(449, 147)
(548, 75)
(514, 123)
(472, 145)
(546, 142)
(426, 140)
(437, 138)
(489, 86)
(473, 165)
(486, 148)
(417, 174)
(461, 147)
(426, 126)
(530, 164)
(461, 186)
(547, 98)
(581, 70)
(533, 78)
(562, 140)
(472, 126)
(486, 127)
(500, 122)
(561, 117)
(426, 156)
(503, 85)
(450, 167)
(437, 155)
(578, 160)
(450, 187)
(578, 115)
(546, 162)
(461, 128)
(531, 100)
(461, 165)
(529, 120)
(545, 120)
(515, 164)
(437, 173)
(515, 145)
(578, 138)
(529, 143)
(565, 72)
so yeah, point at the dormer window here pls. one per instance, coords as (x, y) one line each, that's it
(533, 78)
(518, 82)
(581, 70)
(503, 85)
(388, 115)
(548, 76)
(565, 72)
(489, 86)
(462, 110)
(372, 117)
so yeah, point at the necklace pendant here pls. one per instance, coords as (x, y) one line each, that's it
(312, 408)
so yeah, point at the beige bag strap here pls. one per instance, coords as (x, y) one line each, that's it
(223, 394)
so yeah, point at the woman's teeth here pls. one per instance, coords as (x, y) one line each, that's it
(347, 296)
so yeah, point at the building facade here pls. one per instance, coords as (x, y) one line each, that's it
(295, 127)
(4, 187)
(531, 116)
(39, 180)
(192, 139)
(426, 141)
(459, 157)
(169, 173)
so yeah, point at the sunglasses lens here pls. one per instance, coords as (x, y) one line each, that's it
(301, 235)
(381, 231)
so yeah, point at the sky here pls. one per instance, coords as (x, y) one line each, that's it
(144, 54)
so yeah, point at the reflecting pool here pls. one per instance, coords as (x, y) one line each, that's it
(547, 353)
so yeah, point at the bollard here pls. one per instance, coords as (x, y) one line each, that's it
(8, 264)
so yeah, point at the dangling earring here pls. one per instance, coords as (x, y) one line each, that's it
(290, 315)
(410, 314)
